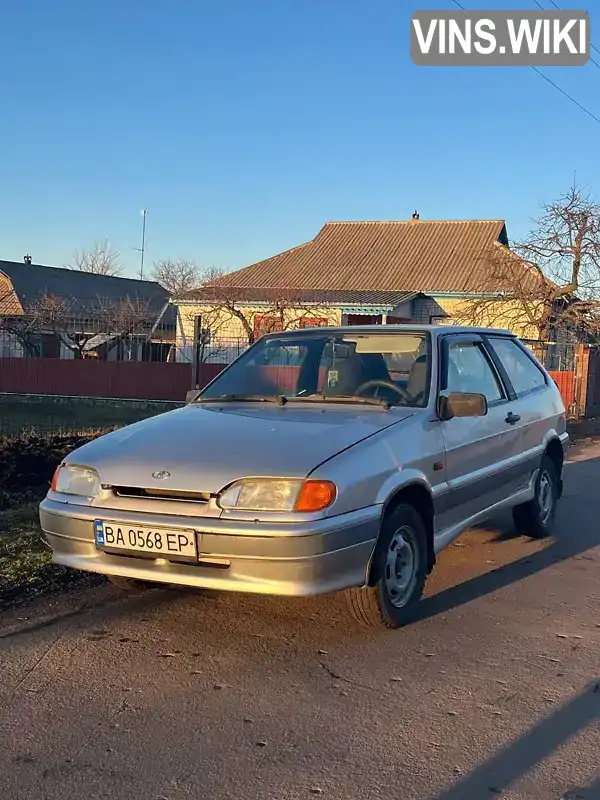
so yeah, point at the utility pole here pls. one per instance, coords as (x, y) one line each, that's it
(143, 247)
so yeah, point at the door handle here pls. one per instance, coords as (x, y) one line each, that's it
(512, 418)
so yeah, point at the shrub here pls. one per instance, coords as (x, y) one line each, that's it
(27, 462)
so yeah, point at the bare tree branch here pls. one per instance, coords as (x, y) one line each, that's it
(288, 308)
(552, 279)
(179, 277)
(100, 259)
(106, 321)
(231, 320)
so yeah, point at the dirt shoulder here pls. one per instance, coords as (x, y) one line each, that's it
(26, 568)
(582, 429)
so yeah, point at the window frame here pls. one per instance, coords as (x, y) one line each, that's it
(478, 340)
(317, 332)
(489, 338)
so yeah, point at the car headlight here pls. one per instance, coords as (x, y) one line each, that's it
(278, 495)
(81, 481)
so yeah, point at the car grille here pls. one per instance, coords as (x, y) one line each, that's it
(161, 494)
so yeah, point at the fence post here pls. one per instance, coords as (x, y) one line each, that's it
(591, 405)
(582, 363)
(196, 351)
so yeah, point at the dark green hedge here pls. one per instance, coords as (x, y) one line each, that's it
(27, 462)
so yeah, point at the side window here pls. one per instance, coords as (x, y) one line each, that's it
(470, 371)
(521, 370)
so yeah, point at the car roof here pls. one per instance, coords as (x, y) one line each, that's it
(434, 330)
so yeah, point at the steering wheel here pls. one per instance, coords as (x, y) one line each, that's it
(386, 385)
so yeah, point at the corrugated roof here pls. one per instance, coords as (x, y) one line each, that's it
(9, 302)
(415, 255)
(339, 297)
(84, 289)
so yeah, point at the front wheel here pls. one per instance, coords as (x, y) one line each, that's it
(398, 572)
(536, 517)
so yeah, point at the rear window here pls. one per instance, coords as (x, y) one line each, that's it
(523, 372)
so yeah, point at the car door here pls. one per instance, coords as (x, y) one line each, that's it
(534, 409)
(480, 451)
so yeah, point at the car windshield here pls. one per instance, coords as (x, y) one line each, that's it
(382, 368)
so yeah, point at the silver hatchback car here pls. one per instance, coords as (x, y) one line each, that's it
(321, 460)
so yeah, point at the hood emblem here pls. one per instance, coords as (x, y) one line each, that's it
(161, 474)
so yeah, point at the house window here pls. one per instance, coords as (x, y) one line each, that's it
(391, 320)
(364, 319)
(313, 322)
(263, 323)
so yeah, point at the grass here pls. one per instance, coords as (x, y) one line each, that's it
(50, 414)
(26, 567)
(585, 428)
(23, 556)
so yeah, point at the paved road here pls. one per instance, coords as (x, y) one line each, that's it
(495, 692)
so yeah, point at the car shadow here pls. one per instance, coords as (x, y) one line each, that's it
(491, 779)
(575, 536)
(591, 792)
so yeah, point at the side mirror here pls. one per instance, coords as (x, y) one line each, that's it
(462, 404)
(191, 396)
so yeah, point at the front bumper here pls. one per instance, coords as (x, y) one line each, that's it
(282, 559)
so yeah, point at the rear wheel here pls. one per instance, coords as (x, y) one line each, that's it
(398, 573)
(536, 517)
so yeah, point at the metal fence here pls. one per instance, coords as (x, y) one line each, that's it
(85, 375)
(102, 370)
(555, 356)
(566, 367)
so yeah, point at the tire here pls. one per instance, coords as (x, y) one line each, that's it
(128, 584)
(536, 517)
(392, 599)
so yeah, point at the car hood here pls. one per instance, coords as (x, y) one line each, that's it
(205, 447)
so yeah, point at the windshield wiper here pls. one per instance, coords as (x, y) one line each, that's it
(282, 400)
(340, 398)
(245, 398)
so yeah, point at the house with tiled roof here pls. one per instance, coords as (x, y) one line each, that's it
(355, 273)
(87, 304)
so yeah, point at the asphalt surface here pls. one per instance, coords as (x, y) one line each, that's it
(494, 692)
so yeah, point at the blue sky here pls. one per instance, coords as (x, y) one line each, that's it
(243, 125)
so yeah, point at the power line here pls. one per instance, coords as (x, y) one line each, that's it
(557, 7)
(545, 77)
(539, 5)
(568, 96)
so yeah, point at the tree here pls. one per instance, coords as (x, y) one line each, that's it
(550, 281)
(100, 259)
(178, 276)
(105, 322)
(224, 308)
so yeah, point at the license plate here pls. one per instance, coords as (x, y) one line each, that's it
(141, 539)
